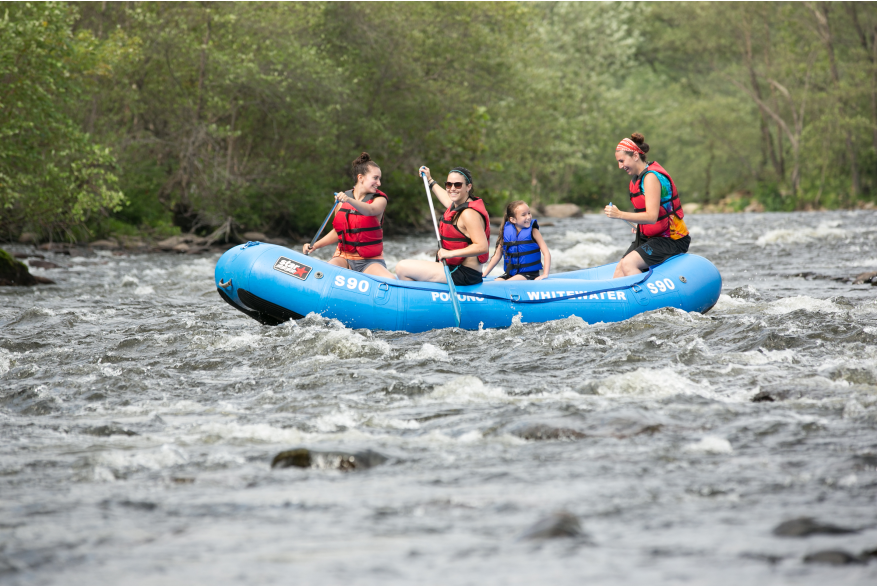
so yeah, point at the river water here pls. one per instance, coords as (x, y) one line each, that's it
(139, 415)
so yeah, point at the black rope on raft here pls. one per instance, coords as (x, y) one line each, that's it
(523, 301)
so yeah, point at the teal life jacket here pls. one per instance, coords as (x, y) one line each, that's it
(520, 252)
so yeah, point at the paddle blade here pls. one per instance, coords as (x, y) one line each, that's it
(458, 312)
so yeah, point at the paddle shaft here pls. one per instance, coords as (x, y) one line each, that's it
(322, 226)
(453, 290)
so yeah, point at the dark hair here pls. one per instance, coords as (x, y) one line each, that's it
(509, 212)
(468, 176)
(641, 143)
(361, 165)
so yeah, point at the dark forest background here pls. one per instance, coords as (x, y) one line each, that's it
(120, 118)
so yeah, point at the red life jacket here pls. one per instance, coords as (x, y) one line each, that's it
(638, 198)
(453, 239)
(358, 233)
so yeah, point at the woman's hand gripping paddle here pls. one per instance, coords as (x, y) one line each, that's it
(322, 226)
(457, 311)
(631, 224)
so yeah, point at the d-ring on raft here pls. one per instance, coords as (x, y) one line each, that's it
(273, 284)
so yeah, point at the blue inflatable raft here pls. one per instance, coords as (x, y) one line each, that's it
(273, 284)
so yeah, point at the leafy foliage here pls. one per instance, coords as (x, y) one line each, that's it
(253, 111)
(52, 174)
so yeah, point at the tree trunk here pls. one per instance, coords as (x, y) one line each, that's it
(824, 28)
(766, 139)
(202, 71)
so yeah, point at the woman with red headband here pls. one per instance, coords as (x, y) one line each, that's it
(660, 232)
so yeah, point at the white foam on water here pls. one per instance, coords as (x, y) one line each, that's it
(470, 437)
(467, 389)
(342, 419)
(110, 371)
(5, 361)
(584, 255)
(695, 230)
(119, 462)
(129, 281)
(728, 304)
(652, 383)
(869, 263)
(393, 423)
(428, 352)
(765, 357)
(144, 290)
(576, 236)
(787, 305)
(343, 343)
(711, 445)
(231, 342)
(853, 410)
(826, 230)
(263, 433)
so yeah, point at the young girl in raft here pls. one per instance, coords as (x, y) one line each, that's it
(521, 246)
(358, 223)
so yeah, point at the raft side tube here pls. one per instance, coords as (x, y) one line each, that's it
(284, 284)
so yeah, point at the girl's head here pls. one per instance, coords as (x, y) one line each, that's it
(367, 173)
(631, 154)
(518, 213)
(459, 185)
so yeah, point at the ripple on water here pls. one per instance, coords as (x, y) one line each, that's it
(138, 426)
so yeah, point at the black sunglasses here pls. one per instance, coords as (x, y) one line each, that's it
(454, 184)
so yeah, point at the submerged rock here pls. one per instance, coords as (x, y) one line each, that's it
(341, 461)
(546, 432)
(800, 527)
(108, 430)
(14, 272)
(561, 524)
(763, 396)
(833, 557)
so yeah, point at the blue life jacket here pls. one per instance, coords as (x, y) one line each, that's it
(520, 252)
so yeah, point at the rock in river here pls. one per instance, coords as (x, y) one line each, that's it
(558, 525)
(833, 557)
(14, 272)
(342, 461)
(800, 527)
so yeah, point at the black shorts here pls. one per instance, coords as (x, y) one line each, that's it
(656, 250)
(529, 275)
(463, 275)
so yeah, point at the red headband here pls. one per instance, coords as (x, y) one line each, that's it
(629, 145)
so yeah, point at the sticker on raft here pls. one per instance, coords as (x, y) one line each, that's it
(543, 295)
(294, 268)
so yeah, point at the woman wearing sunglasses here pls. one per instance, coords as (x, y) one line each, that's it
(464, 229)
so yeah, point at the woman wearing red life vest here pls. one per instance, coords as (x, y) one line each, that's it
(465, 233)
(358, 223)
(661, 232)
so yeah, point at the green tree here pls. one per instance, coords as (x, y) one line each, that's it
(52, 174)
